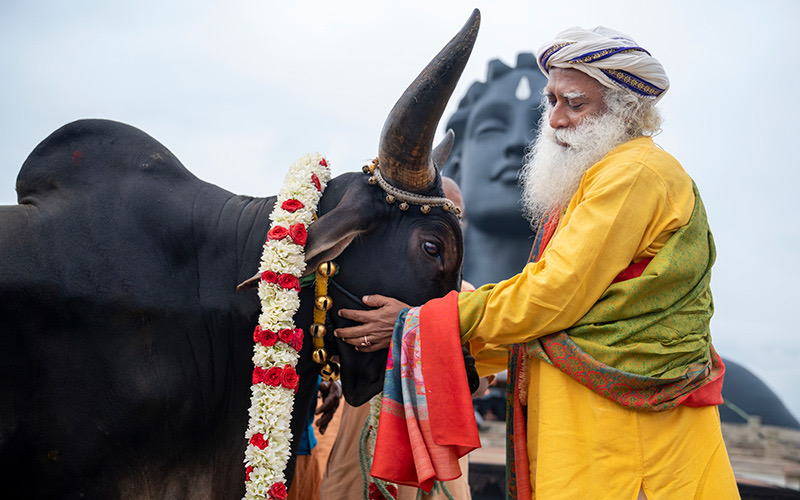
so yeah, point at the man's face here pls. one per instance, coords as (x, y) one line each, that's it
(499, 127)
(573, 96)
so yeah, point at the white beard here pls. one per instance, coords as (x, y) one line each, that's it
(552, 173)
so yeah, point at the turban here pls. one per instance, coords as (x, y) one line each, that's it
(608, 56)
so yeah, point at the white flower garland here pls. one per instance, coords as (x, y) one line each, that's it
(277, 341)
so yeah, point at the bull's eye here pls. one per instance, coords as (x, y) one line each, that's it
(431, 248)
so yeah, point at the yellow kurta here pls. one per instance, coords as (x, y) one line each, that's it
(581, 445)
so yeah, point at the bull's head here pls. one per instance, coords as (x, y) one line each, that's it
(379, 247)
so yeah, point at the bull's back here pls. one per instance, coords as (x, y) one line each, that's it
(115, 359)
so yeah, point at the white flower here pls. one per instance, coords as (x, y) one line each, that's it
(271, 407)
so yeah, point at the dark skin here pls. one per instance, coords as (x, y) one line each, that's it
(331, 394)
(375, 331)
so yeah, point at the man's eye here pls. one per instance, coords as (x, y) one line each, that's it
(576, 105)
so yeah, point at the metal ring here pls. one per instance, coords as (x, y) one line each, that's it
(366, 341)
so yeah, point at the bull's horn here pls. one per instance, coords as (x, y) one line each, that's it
(442, 151)
(407, 137)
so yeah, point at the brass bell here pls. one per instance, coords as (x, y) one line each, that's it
(365, 169)
(323, 303)
(425, 209)
(446, 207)
(327, 268)
(320, 356)
(404, 206)
(373, 180)
(318, 330)
(330, 372)
(389, 198)
(458, 211)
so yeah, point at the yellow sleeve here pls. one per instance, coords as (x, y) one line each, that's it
(489, 359)
(617, 212)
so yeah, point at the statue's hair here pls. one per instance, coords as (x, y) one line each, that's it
(641, 115)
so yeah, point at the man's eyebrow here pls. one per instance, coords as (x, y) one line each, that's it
(565, 95)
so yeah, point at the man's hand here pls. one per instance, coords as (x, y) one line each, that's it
(377, 326)
(331, 393)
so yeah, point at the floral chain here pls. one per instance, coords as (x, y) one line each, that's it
(276, 340)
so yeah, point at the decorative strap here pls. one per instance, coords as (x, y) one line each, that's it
(330, 370)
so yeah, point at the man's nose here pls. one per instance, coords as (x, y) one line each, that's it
(558, 117)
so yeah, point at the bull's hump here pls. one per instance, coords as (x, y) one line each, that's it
(95, 153)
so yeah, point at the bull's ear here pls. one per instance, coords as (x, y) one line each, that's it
(355, 210)
(329, 235)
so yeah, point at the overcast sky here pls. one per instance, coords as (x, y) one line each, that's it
(239, 89)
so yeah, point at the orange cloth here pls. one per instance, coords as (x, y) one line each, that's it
(427, 421)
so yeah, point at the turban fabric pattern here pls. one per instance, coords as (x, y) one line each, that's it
(610, 57)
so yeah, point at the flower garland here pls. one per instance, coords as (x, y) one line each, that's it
(277, 341)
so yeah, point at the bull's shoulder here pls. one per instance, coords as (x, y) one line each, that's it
(99, 154)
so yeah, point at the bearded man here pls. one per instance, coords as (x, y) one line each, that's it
(613, 381)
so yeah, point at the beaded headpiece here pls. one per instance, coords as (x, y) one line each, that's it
(407, 198)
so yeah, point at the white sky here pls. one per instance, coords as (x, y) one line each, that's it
(239, 89)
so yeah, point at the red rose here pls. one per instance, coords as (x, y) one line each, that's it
(273, 377)
(258, 375)
(248, 471)
(289, 377)
(268, 338)
(277, 233)
(297, 343)
(316, 182)
(288, 282)
(269, 276)
(298, 233)
(375, 493)
(323, 162)
(258, 441)
(292, 205)
(277, 491)
(286, 335)
(257, 334)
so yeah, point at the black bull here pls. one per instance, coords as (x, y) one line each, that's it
(125, 349)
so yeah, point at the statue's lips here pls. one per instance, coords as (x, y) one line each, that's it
(508, 174)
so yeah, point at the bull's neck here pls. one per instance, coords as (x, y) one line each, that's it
(240, 226)
(251, 233)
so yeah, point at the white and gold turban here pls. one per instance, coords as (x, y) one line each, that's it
(610, 57)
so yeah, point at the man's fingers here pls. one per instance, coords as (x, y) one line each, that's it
(357, 315)
(376, 300)
(352, 332)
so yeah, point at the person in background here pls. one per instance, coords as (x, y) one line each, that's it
(308, 469)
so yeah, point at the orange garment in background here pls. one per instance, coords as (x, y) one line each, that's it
(342, 478)
(309, 469)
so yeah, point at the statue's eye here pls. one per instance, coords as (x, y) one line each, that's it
(431, 248)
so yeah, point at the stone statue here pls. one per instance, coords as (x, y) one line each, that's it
(493, 124)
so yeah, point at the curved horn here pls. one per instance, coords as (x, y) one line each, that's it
(442, 151)
(407, 137)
